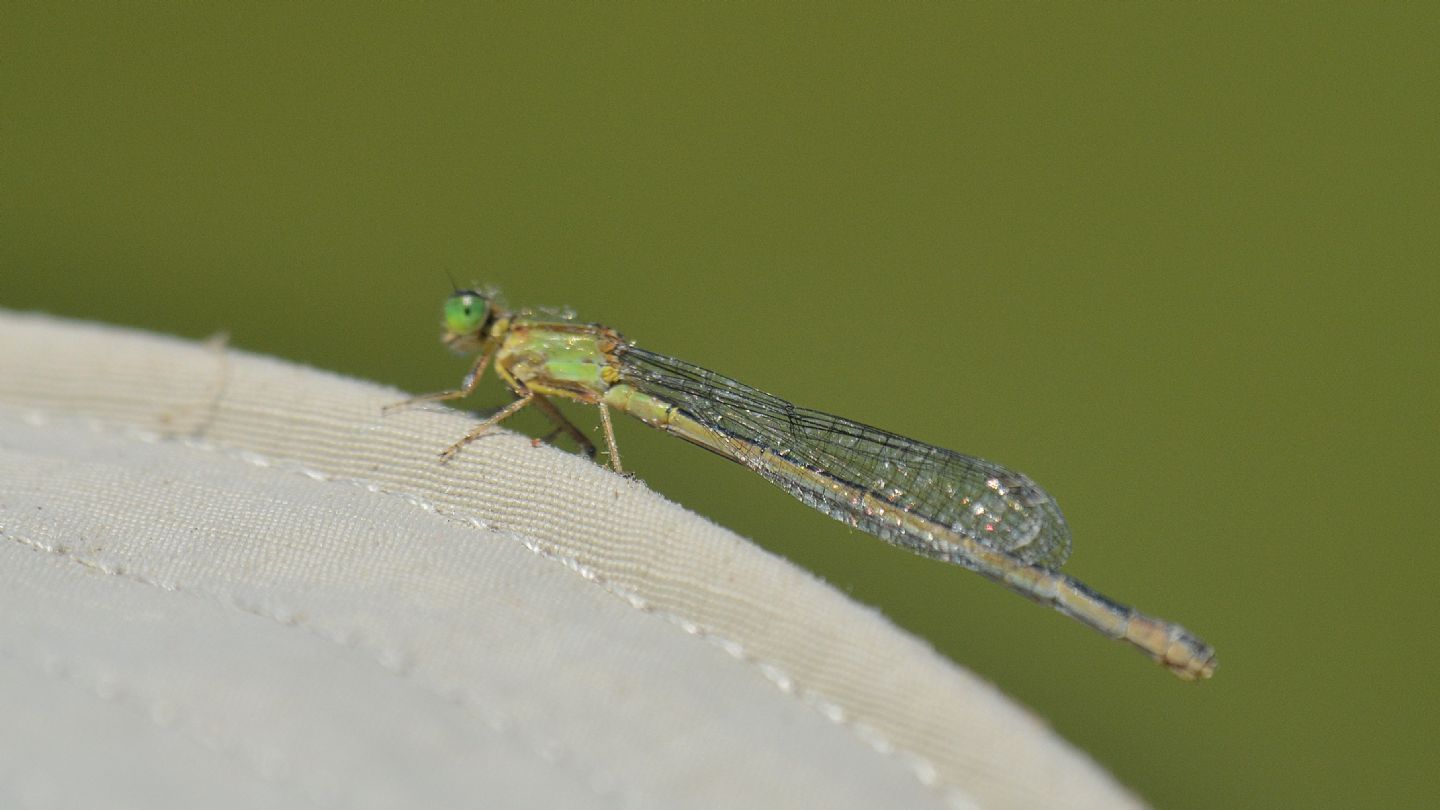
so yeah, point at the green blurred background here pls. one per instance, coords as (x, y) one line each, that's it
(1176, 264)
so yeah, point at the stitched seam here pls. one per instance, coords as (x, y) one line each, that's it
(548, 751)
(922, 768)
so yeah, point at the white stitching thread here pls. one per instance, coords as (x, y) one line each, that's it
(549, 751)
(924, 770)
(391, 661)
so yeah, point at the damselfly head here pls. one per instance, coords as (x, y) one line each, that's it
(468, 316)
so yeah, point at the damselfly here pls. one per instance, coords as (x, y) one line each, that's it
(932, 501)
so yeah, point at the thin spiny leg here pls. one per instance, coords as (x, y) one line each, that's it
(610, 438)
(476, 432)
(467, 386)
(565, 425)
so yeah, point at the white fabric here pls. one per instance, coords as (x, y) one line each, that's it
(229, 581)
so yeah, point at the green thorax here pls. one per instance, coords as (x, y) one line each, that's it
(573, 360)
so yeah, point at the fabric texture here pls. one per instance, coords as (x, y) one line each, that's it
(229, 581)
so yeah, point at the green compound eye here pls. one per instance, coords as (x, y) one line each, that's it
(465, 312)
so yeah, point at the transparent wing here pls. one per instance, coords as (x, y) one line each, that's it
(996, 506)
